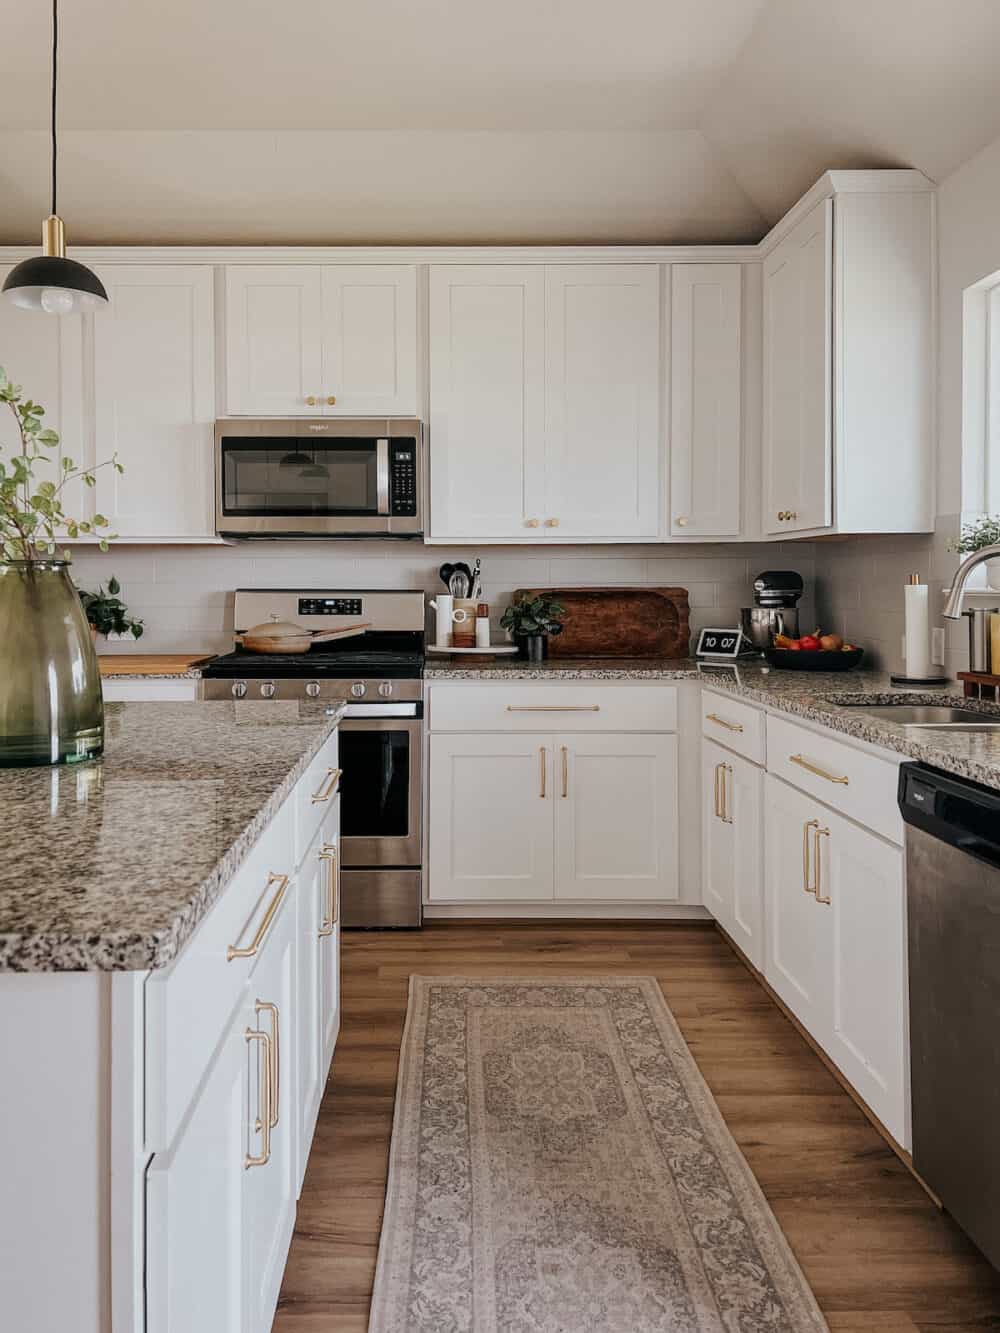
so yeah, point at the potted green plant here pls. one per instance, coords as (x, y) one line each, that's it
(51, 707)
(529, 621)
(976, 534)
(107, 614)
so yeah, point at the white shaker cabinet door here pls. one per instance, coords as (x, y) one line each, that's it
(274, 336)
(154, 400)
(491, 822)
(194, 1201)
(487, 401)
(705, 418)
(369, 340)
(732, 843)
(797, 397)
(798, 960)
(616, 817)
(602, 401)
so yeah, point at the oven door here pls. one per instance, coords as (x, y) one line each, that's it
(381, 758)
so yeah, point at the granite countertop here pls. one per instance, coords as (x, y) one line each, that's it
(110, 865)
(811, 695)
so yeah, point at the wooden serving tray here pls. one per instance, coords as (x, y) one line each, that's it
(619, 622)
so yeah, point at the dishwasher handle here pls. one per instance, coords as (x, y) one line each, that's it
(964, 814)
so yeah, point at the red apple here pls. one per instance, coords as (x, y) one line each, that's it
(809, 643)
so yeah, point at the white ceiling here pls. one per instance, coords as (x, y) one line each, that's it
(457, 120)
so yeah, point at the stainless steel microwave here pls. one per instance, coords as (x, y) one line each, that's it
(320, 477)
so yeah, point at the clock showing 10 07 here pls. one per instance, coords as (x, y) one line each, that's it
(722, 643)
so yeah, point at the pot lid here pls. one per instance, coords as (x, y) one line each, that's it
(277, 629)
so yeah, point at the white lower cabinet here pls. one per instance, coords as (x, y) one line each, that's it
(732, 846)
(835, 943)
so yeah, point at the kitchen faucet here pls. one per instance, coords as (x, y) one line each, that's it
(953, 606)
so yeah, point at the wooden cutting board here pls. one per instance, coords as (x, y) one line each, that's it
(619, 622)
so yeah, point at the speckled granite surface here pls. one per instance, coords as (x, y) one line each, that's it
(111, 865)
(810, 695)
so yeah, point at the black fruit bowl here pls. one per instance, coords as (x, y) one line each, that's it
(791, 659)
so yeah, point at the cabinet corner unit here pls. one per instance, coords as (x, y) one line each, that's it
(848, 358)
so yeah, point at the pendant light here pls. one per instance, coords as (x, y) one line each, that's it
(50, 281)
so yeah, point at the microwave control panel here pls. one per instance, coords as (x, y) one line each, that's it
(329, 606)
(403, 478)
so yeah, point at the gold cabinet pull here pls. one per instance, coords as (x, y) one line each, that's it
(726, 816)
(553, 708)
(820, 772)
(718, 807)
(817, 891)
(543, 756)
(722, 722)
(810, 824)
(331, 400)
(274, 1057)
(681, 520)
(565, 772)
(329, 785)
(265, 1097)
(531, 522)
(311, 400)
(328, 853)
(551, 522)
(234, 951)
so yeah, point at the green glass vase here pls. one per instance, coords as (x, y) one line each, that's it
(51, 706)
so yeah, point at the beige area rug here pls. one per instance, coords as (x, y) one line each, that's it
(558, 1165)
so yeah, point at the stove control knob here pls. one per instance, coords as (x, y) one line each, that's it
(385, 689)
(312, 689)
(239, 689)
(268, 689)
(358, 689)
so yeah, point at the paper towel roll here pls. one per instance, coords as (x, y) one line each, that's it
(915, 609)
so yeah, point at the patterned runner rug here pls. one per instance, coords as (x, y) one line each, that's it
(558, 1165)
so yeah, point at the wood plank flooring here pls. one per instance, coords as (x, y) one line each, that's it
(880, 1257)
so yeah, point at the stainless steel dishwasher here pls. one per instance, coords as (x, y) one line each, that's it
(953, 913)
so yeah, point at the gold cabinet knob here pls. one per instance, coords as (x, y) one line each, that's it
(551, 522)
(331, 400)
(311, 400)
(791, 514)
(682, 521)
(782, 515)
(531, 522)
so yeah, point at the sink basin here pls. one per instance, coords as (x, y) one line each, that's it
(929, 715)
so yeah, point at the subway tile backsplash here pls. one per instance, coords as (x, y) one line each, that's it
(185, 594)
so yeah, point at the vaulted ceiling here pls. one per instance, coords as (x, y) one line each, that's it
(455, 120)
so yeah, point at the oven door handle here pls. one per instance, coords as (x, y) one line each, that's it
(382, 475)
(382, 710)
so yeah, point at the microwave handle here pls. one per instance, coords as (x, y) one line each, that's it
(382, 475)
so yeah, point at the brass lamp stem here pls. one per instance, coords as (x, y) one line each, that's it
(53, 237)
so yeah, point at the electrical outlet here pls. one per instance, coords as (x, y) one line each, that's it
(937, 647)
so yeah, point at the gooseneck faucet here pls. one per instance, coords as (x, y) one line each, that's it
(953, 606)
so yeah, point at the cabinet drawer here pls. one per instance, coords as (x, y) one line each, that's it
(563, 707)
(734, 724)
(188, 1003)
(315, 793)
(862, 786)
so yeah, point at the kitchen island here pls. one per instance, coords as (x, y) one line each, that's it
(168, 924)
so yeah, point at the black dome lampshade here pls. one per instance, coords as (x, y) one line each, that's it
(50, 281)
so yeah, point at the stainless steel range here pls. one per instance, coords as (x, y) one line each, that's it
(379, 673)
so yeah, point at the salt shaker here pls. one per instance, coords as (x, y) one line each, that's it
(482, 625)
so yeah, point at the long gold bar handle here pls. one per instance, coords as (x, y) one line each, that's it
(264, 1097)
(274, 1056)
(329, 787)
(328, 853)
(721, 721)
(553, 708)
(726, 816)
(718, 803)
(233, 951)
(817, 892)
(820, 772)
(810, 824)
(544, 758)
(565, 771)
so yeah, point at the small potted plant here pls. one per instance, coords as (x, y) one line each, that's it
(107, 614)
(529, 621)
(981, 532)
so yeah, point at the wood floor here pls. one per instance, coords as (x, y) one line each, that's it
(878, 1254)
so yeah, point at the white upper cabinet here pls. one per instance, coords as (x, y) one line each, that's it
(798, 424)
(544, 390)
(313, 340)
(602, 399)
(848, 360)
(705, 417)
(154, 400)
(487, 393)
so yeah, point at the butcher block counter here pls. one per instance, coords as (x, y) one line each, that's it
(171, 666)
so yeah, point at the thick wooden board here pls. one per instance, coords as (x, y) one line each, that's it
(149, 664)
(619, 622)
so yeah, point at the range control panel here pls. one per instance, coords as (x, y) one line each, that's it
(403, 483)
(329, 606)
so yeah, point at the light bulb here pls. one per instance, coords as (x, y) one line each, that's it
(57, 300)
